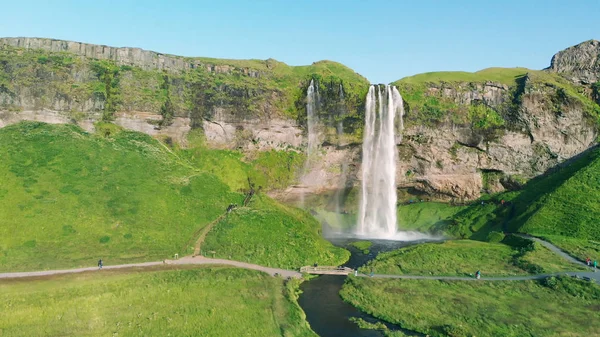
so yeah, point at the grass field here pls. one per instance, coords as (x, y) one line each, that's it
(465, 257)
(272, 234)
(211, 301)
(554, 307)
(69, 198)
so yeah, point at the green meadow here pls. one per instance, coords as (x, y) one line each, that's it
(551, 307)
(207, 301)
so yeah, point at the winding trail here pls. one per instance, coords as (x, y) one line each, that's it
(580, 274)
(553, 248)
(188, 260)
(200, 260)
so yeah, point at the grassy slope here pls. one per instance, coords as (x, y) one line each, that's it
(426, 216)
(69, 198)
(464, 257)
(266, 169)
(441, 308)
(213, 301)
(274, 235)
(559, 206)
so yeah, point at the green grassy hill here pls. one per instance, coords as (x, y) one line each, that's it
(272, 234)
(561, 205)
(68, 198)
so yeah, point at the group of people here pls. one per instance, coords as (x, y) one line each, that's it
(588, 261)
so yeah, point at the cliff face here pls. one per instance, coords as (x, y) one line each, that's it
(580, 63)
(460, 160)
(465, 133)
(136, 57)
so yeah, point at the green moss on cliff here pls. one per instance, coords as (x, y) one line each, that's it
(242, 89)
(434, 98)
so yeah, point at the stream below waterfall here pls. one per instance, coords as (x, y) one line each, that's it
(326, 312)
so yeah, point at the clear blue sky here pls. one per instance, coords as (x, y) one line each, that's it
(382, 40)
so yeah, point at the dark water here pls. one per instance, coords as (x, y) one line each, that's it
(326, 312)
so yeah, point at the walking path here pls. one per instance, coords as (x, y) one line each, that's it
(554, 249)
(581, 274)
(188, 260)
(200, 260)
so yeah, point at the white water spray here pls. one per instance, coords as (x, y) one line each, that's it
(377, 209)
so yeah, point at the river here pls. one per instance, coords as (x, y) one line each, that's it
(326, 312)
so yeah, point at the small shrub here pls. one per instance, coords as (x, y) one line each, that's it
(104, 239)
(550, 282)
(495, 237)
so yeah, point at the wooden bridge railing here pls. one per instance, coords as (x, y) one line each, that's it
(326, 269)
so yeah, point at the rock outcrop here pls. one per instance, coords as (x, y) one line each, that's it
(144, 59)
(580, 63)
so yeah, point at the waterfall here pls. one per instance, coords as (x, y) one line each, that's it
(312, 118)
(377, 209)
(312, 102)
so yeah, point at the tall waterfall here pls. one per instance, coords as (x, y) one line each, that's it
(377, 209)
(312, 102)
(312, 118)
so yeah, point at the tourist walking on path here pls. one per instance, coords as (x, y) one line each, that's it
(588, 261)
(595, 265)
(100, 264)
(478, 275)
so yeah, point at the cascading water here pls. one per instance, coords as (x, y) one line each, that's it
(312, 118)
(377, 209)
(312, 101)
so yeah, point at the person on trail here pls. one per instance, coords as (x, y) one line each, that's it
(100, 264)
(595, 265)
(588, 261)
(478, 275)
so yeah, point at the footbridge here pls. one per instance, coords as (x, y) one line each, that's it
(326, 270)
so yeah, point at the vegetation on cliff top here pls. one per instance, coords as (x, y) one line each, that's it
(245, 88)
(204, 301)
(435, 97)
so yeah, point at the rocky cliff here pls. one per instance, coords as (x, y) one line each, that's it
(580, 63)
(465, 133)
